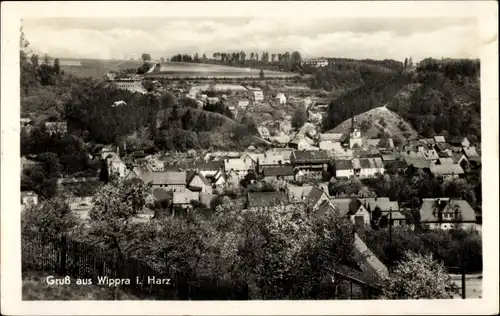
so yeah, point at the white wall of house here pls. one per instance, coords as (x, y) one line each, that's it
(344, 173)
(117, 167)
(370, 172)
(450, 225)
(171, 187)
(363, 212)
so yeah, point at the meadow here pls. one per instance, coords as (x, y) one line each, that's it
(97, 68)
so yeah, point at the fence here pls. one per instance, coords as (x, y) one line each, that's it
(63, 256)
(66, 257)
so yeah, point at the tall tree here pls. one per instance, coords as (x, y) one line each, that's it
(296, 60)
(186, 120)
(273, 57)
(146, 57)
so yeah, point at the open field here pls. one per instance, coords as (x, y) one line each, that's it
(97, 68)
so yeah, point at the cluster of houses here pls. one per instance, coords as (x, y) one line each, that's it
(305, 165)
(354, 155)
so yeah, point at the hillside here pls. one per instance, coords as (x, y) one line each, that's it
(379, 120)
(444, 99)
(97, 68)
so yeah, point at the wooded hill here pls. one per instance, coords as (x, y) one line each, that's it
(438, 97)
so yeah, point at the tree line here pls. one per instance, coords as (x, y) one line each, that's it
(281, 61)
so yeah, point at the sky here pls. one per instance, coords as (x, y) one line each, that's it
(376, 38)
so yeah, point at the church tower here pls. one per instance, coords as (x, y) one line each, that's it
(355, 135)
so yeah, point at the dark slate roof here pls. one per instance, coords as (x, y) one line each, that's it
(347, 205)
(443, 146)
(160, 194)
(266, 199)
(456, 140)
(278, 171)
(310, 156)
(382, 202)
(343, 164)
(396, 164)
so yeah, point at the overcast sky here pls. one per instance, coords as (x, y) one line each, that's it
(375, 38)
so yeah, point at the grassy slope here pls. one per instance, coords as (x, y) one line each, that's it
(36, 288)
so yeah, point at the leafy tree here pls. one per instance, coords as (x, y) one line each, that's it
(146, 57)
(57, 66)
(187, 120)
(115, 205)
(144, 68)
(299, 118)
(419, 277)
(51, 218)
(261, 74)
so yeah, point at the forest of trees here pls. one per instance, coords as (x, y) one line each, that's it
(447, 101)
(378, 88)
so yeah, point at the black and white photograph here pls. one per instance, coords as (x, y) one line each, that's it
(223, 156)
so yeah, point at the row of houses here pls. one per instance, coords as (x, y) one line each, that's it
(435, 213)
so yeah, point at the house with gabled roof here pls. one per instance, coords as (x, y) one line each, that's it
(285, 172)
(313, 197)
(239, 166)
(184, 199)
(311, 162)
(354, 210)
(343, 168)
(446, 213)
(439, 139)
(284, 153)
(208, 168)
(447, 171)
(367, 167)
(169, 180)
(472, 155)
(301, 142)
(270, 159)
(459, 141)
(196, 182)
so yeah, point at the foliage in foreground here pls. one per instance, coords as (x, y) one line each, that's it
(419, 277)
